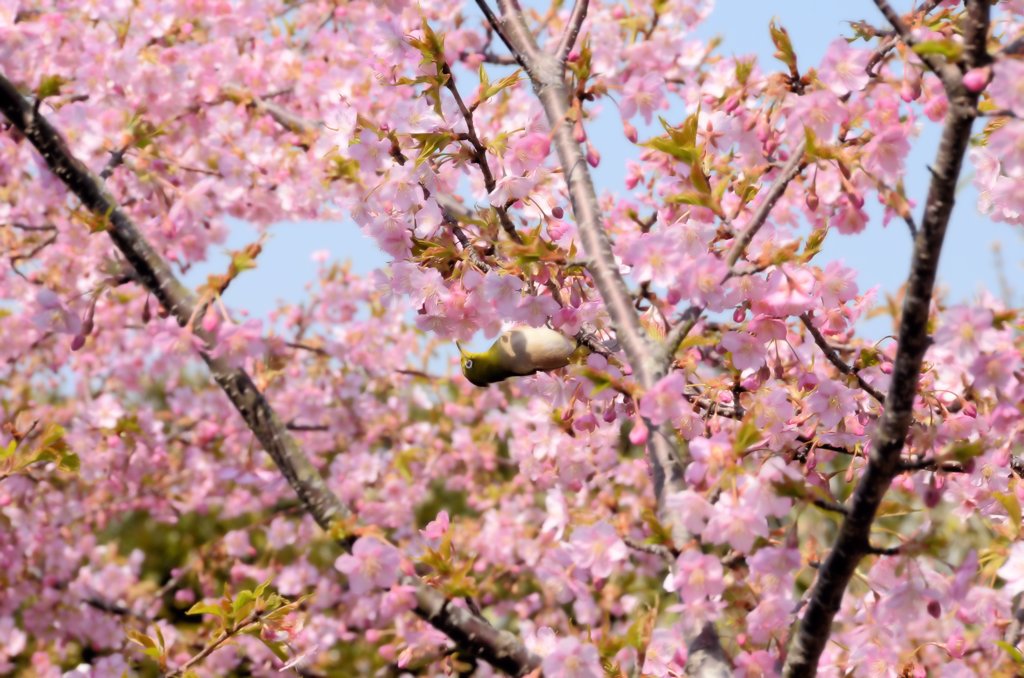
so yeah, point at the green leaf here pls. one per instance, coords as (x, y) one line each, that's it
(1012, 505)
(945, 48)
(783, 46)
(279, 649)
(869, 357)
(816, 151)
(699, 199)
(141, 638)
(242, 261)
(242, 605)
(430, 143)
(207, 608)
(1015, 655)
(430, 46)
(50, 86)
(698, 178)
(8, 451)
(748, 434)
(964, 451)
(69, 462)
(490, 90)
(53, 434)
(687, 154)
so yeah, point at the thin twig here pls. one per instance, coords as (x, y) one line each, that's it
(479, 153)
(833, 506)
(495, 25)
(659, 550)
(947, 73)
(210, 647)
(839, 363)
(692, 315)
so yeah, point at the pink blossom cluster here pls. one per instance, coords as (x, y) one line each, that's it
(530, 503)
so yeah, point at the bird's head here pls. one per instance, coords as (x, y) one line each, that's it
(476, 367)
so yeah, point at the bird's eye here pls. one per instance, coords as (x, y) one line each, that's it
(469, 363)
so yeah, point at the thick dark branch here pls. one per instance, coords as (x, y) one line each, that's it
(852, 543)
(474, 634)
(839, 363)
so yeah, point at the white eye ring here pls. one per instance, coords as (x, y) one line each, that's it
(469, 363)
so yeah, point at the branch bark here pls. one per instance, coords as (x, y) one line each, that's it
(852, 543)
(838, 362)
(547, 75)
(470, 632)
(947, 73)
(572, 30)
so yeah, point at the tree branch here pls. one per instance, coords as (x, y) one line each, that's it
(479, 154)
(547, 75)
(839, 363)
(474, 634)
(497, 26)
(852, 543)
(947, 73)
(690, 317)
(572, 30)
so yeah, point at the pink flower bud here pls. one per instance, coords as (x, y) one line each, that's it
(956, 645)
(630, 131)
(578, 133)
(609, 414)
(739, 314)
(78, 342)
(934, 608)
(638, 436)
(910, 88)
(976, 79)
(210, 322)
(618, 12)
(593, 157)
(557, 212)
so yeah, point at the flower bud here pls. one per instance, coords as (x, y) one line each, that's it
(638, 436)
(976, 79)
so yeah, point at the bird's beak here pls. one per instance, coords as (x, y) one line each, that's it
(459, 346)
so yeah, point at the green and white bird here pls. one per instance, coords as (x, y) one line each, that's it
(517, 352)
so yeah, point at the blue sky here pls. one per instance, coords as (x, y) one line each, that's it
(881, 254)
